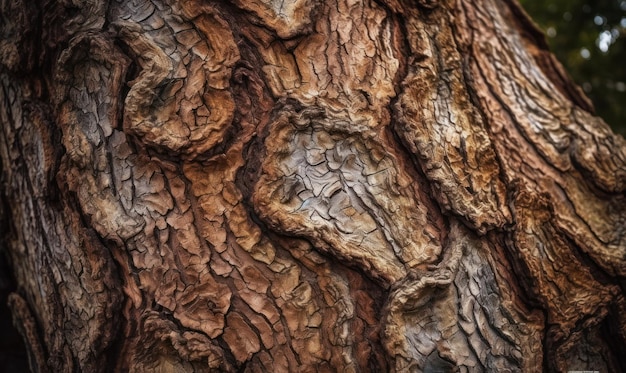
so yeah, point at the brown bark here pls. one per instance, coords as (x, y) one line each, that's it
(274, 186)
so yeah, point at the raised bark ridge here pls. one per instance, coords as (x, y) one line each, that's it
(305, 186)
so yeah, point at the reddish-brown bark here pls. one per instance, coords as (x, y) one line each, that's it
(274, 186)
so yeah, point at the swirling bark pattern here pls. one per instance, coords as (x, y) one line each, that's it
(301, 185)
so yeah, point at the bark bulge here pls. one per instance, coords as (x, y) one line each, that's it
(305, 186)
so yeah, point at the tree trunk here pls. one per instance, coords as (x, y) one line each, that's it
(305, 186)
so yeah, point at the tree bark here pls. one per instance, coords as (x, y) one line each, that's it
(314, 186)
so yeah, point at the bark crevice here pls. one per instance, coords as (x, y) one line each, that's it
(306, 186)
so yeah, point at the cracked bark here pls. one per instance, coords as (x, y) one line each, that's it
(274, 186)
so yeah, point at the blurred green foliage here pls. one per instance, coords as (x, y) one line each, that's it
(589, 38)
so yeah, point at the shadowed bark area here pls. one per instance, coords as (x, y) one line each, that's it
(310, 186)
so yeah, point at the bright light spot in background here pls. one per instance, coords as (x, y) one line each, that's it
(551, 31)
(620, 86)
(622, 22)
(598, 20)
(584, 53)
(604, 41)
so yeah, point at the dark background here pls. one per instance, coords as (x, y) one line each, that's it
(589, 38)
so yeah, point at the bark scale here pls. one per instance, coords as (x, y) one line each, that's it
(357, 186)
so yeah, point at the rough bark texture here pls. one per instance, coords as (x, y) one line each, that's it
(274, 186)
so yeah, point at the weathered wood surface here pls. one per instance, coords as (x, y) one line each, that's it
(274, 186)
